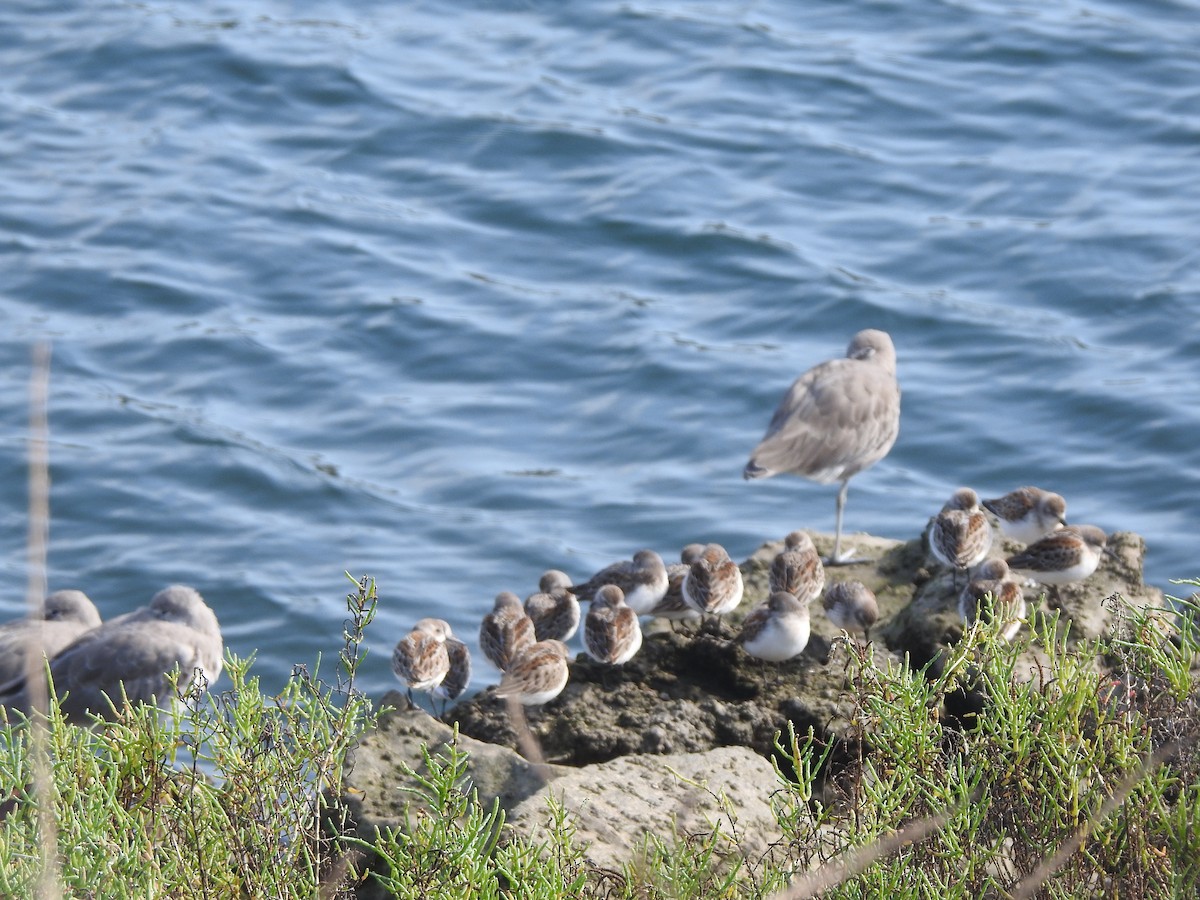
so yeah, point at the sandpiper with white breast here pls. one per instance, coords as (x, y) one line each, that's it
(851, 606)
(672, 606)
(713, 584)
(458, 675)
(553, 609)
(642, 580)
(1065, 556)
(960, 536)
(776, 630)
(420, 659)
(1028, 513)
(993, 595)
(537, 675)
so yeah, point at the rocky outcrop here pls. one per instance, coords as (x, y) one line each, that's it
(696, 705)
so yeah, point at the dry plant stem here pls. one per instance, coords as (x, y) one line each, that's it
(49, 882)
(1031, 883)
(530, 748)
(854, 862)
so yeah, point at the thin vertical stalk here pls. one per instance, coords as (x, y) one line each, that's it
(49, 884)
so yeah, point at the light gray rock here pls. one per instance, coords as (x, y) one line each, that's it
(376, 778)
(616, 806)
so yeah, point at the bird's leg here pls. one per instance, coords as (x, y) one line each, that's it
(837, 558)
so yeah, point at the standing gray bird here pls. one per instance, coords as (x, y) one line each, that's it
(132, 655)
(838, 418)
(65, 616)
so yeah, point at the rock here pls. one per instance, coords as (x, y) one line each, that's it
(376, 778)
(615, 806)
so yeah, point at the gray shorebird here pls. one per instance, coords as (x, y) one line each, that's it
(960, 536)
(851, 606)
(553, 609)
(837, 419)
(133, 656)
(66, 615)
(505, 631)
(642, 580)
(1028, 514)
(420, 659)
(777, 630)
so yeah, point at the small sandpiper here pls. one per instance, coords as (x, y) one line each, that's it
(420, 659)
(458, 676)
(992, 594)
(1028, 513)
(776, 630)
(1065, 556)
(797, 569)
(505, 630)
(960, 536)
(851, 605)
(642, 580)
(713, 584)
(611, 631)
(554, 610)
(537, 674)
(672, 606)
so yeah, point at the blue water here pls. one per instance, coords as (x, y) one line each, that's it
(452, 292)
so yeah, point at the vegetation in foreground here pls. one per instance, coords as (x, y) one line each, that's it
(1069, 784)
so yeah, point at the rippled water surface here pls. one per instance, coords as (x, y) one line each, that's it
(449, 293)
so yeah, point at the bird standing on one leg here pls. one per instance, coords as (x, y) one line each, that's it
(838, 418)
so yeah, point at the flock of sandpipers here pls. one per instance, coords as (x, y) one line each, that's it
(836, 419)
